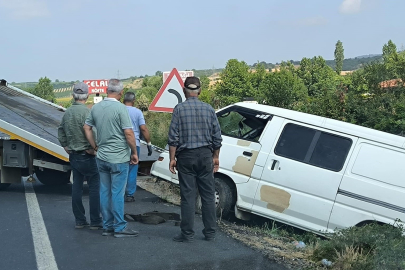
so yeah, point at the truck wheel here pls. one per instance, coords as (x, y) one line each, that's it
(224, 199)
(52, 177)
(4, 186)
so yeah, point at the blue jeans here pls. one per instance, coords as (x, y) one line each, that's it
(113, 179)
(84, 167)
(132, 174)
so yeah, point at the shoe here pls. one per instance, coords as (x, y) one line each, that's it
(96, 227)
(108, 232)
(126, 233)
(81, 225)
(182, 238)
(129, 199)
(209, 239)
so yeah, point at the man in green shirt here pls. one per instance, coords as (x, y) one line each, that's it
(115, 141)
(82, 159)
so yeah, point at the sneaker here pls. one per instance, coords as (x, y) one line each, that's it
(108, 232)
(182, 238)
(81, 225)
(129, 199)
(126, 233)
(96, 227)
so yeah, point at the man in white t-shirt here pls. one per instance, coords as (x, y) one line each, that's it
(138, 125)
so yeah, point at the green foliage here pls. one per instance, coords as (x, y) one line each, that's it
(257, 76)
(316, 75)
(281, 89)
(377, 247)
(142, 103)
(339, 57)
(158, 124)
(44, 89)
(235, 83)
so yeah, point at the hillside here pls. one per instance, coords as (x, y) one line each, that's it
(135, 82)
(349, 64)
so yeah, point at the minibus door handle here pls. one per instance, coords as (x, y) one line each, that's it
(246, 153)
(273, 165)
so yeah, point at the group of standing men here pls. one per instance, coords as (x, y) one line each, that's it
(103, 146)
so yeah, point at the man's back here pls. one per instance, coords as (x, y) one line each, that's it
(72, 125)
(137, 120)
(197, 125)
(110, 118)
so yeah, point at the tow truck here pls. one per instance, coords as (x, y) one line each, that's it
(29, 143)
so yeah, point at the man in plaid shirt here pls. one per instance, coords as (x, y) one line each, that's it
(194, 143)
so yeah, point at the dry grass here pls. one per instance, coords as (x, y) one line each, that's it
(135, 84)
(64, 99)
(347, 259)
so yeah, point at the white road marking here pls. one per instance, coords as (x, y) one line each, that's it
(43, 249)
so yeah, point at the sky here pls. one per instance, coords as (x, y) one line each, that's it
(92, 39)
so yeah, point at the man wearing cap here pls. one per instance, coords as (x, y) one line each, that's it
(82, 158)
(194, 144)
(116, 149)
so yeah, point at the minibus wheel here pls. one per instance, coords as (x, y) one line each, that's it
(224, 199)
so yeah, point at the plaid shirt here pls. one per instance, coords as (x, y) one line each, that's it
(194, 124)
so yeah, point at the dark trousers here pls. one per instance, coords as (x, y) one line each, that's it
(84, 168)
(195, 169)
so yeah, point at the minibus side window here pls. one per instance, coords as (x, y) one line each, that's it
(330, 151)
(313, 147)
(295, 142)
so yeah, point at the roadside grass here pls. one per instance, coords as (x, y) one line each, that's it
(372, 246)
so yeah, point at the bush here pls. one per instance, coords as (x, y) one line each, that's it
(158, 125)
(372, 246)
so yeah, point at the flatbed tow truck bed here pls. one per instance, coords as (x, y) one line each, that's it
(34, 122)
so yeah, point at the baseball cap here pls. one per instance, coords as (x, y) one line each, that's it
(192, 83)
(80, 88)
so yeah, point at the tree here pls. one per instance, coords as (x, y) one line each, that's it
(142, 103)
(234, 84)
(339, 56)
(56, 80)
(389, 51)
(205, 83)
(281, 89)
(258, 75)
(44, 89)
(159, 73)
(316, 75)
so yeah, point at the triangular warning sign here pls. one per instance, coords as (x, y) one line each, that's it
(170, 94)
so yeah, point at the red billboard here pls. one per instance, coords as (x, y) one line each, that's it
(97, 86)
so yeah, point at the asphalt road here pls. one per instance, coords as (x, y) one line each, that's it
(86, 249)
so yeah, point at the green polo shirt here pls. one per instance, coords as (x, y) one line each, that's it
(70, 131)
(110, 118)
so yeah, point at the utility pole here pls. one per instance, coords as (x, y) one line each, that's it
(118, 74)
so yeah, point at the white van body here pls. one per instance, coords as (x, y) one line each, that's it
(311, 172)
